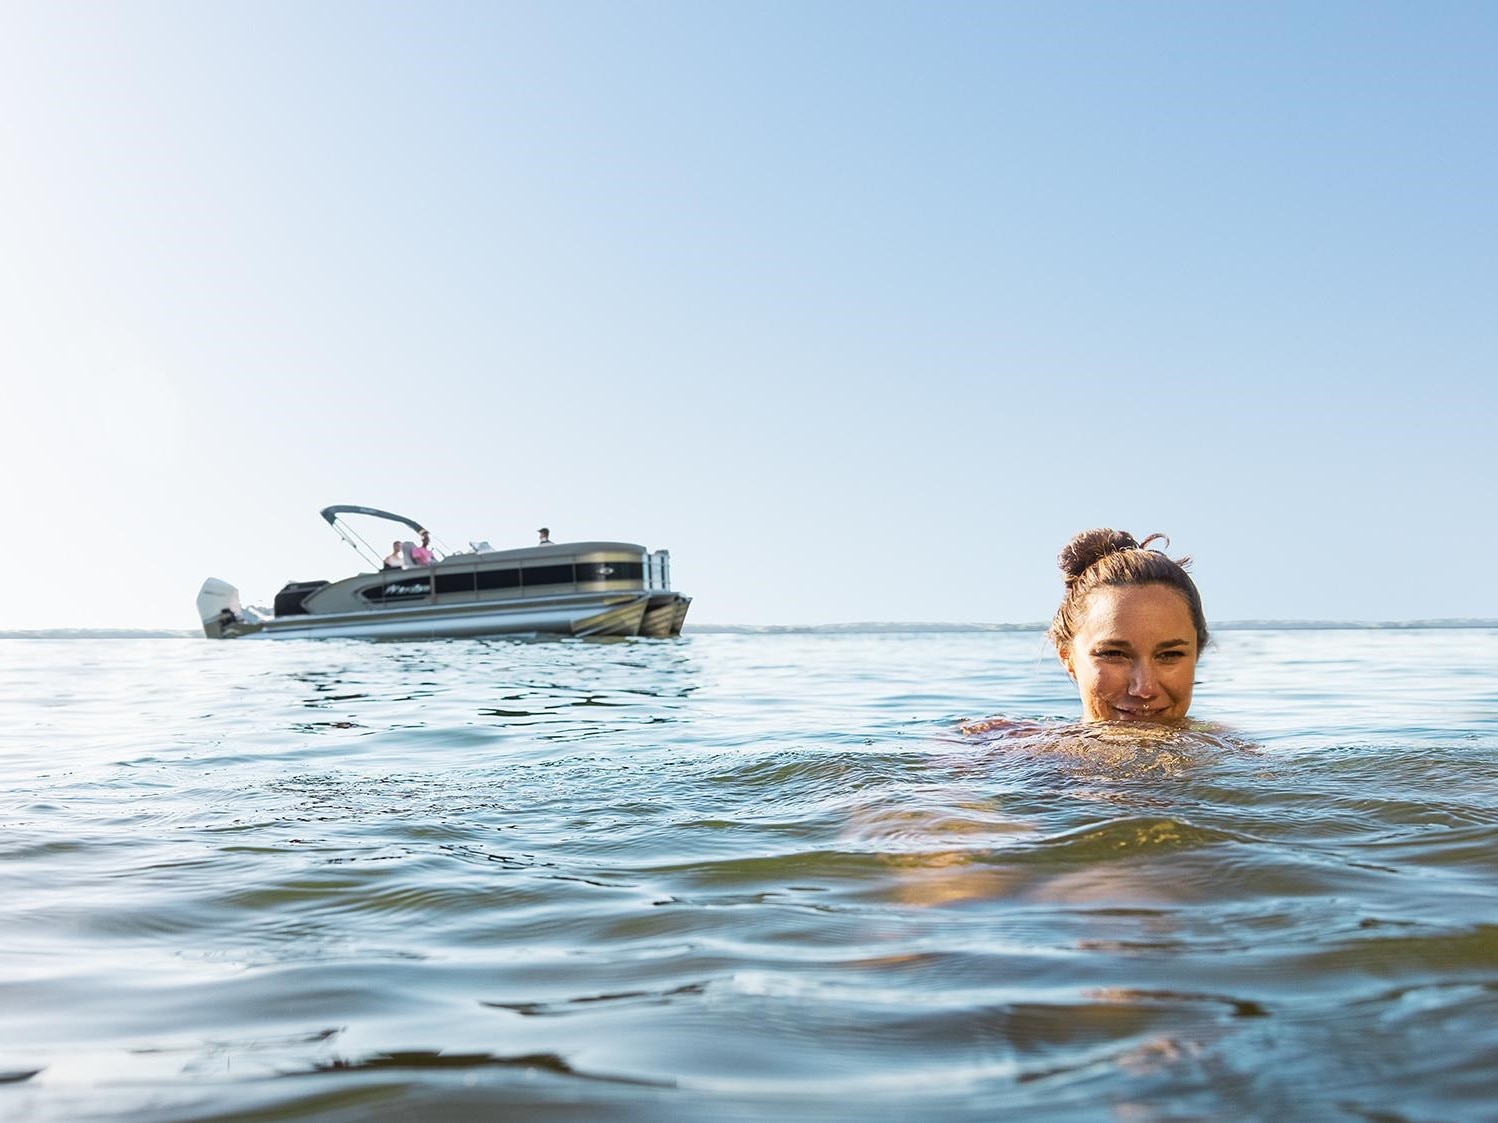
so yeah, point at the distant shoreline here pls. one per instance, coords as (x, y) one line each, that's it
(864, 628)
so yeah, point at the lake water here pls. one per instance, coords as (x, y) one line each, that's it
(743, 877)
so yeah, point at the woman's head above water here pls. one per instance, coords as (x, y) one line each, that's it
(1129, 628)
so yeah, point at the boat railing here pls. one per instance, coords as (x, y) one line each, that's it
(658, 570)
(558, 575)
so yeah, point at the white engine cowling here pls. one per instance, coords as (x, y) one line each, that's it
(218, 605)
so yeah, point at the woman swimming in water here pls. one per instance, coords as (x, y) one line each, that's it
(1129, 630)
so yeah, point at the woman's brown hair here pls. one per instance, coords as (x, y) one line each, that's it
(1099, 558)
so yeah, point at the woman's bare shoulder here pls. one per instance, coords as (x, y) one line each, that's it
(1071, 735)
(993, 728)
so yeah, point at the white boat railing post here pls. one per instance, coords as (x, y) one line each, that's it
(660, 569)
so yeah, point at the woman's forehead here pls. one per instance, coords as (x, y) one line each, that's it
(1129, 607)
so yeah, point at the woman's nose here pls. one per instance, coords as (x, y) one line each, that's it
(1142, 682)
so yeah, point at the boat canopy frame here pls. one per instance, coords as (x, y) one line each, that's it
(332, 513)
(353, 538)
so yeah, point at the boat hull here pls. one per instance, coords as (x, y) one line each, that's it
(664, 615)
(621, 615)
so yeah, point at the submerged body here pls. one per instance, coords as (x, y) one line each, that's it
(1118, 748)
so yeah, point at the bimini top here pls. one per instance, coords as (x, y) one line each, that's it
(332, 513)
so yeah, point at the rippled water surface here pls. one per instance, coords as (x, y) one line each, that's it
(743, 877)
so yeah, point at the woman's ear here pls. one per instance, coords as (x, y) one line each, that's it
(1064, 654)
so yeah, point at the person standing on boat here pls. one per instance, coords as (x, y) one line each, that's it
(422, 555)
(397, 558)
(545, 537)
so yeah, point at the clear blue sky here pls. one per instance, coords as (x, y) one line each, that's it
(859, 308)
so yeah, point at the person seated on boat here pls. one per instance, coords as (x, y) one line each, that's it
(397, 558)
(422, 555)
(545, 537)
(1129, 630)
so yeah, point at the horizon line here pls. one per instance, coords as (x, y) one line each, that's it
(870, 627)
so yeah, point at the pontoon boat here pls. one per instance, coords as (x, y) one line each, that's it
(570, 589)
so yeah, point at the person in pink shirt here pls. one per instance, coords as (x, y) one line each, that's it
(422, 555)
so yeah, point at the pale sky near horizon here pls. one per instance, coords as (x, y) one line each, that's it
(862, 309)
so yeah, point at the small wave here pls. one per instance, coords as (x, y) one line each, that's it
(436, 1059)
(589, 1001)
(1128, 837)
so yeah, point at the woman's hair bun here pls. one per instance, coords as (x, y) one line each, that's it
(1088, 548)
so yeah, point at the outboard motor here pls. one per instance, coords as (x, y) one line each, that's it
(218, 607)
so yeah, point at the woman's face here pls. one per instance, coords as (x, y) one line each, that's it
(1134, 654)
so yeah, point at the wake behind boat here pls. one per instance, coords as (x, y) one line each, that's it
(570, 589)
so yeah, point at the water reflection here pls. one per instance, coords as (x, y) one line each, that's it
(559, 690)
